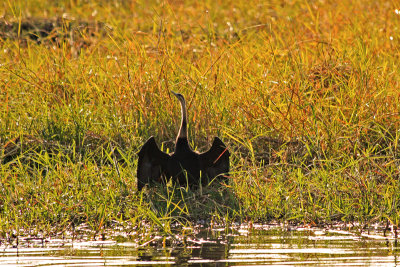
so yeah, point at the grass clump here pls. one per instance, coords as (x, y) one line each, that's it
(304, 94)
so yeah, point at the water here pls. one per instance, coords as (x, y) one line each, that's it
(239, 246)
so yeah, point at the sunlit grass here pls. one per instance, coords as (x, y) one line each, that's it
(305, 95)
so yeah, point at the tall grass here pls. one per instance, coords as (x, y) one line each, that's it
(306, 95)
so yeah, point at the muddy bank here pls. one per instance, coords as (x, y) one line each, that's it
(54, 31)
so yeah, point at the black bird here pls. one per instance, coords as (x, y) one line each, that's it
(184, 166)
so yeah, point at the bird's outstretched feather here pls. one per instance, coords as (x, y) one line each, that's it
(216, 160)
(152, 164)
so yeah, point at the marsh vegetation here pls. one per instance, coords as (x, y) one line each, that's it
(304, 94)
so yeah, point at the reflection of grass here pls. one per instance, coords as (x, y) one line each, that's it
(305, 95)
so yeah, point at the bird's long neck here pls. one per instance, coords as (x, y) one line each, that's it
(183, 131)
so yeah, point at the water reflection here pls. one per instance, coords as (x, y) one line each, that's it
(262, 245)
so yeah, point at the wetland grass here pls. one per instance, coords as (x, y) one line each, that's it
(305, 95)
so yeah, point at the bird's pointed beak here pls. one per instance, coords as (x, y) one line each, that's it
(176, 94)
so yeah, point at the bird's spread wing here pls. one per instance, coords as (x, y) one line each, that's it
(152, 163)
(216, 160)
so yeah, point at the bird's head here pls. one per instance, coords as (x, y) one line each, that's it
(179, 96)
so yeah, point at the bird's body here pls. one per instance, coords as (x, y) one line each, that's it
(184, 166)
(184, 163)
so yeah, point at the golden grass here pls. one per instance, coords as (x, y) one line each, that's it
(306, 94)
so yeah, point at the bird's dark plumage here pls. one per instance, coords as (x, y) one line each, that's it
(184, 166)
(152, 163)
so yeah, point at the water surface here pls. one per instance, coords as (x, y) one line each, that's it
(238, 246)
